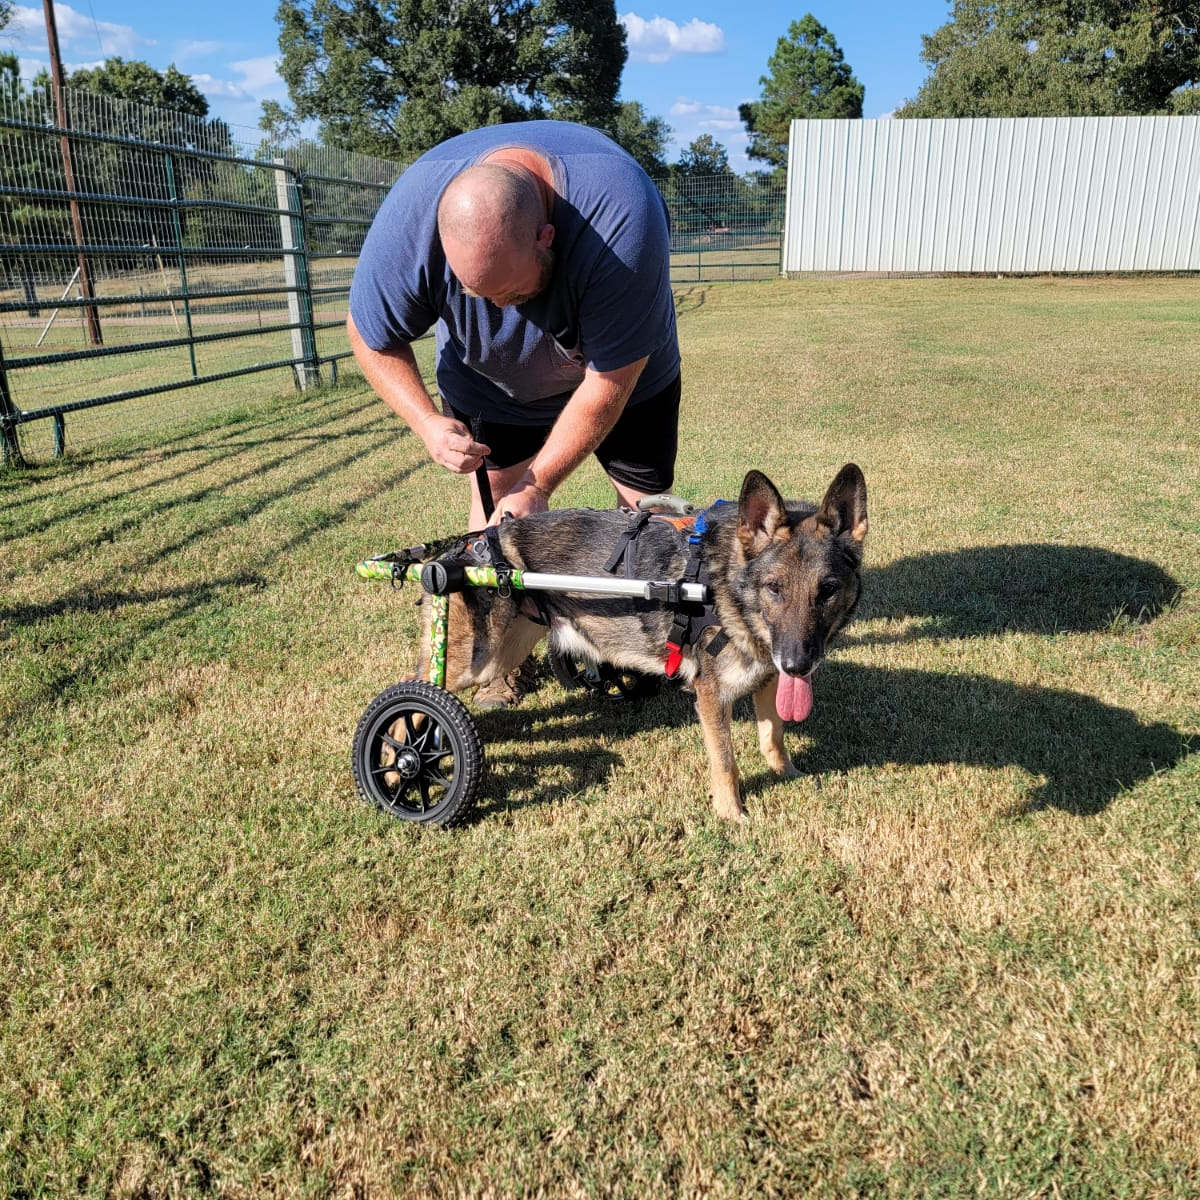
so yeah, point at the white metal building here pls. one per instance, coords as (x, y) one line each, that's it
(994, 195)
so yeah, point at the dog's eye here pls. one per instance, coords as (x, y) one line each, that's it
(773, 587)
(827, 590)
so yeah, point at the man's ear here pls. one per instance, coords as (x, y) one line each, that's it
(545, 236)
(761, 512)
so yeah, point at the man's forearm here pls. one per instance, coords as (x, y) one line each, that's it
(590, 414)
(396, 378)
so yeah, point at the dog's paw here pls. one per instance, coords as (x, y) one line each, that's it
(729, 808)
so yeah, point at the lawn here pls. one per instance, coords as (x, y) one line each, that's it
(960, 956)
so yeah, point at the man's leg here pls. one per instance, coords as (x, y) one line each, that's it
(639, 453)
(502, 480)
(627, 497)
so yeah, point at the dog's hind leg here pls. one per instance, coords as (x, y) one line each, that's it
(484, 640)
(505, 656)
(770, 730)
(716, 723)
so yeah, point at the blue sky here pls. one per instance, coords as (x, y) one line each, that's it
(691, 62)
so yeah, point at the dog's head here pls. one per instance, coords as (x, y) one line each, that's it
(801, 578)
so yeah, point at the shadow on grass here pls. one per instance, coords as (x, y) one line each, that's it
(206, 451)
(201, 608)
(194, 595)
(1031, 588)
(555, 771)
(1080, 753)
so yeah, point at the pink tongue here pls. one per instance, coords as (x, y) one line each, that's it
(794, 698)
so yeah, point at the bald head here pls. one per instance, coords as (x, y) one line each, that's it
(490, 201)
(491, 221)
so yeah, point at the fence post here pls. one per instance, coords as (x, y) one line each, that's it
(10, 418)
(295, 274)
(173, 193)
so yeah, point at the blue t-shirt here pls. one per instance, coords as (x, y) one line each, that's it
(609, 300)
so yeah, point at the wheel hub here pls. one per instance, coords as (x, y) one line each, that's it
(407, 764)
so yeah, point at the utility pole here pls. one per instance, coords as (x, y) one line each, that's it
(60, 101)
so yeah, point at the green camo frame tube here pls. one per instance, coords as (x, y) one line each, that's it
(518, 580)
(437, 640)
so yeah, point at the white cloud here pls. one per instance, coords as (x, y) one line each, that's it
(660, 39)
(694, 117)
(79, 34)
(714, 115)
(259, 75)
(198, 50)
(237, 97)
(25, 28)
(223, 89)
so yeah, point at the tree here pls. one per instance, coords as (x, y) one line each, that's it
(163, 109)
(394, 77)
(704, 191)
(644, 137)
(704, 158)
(1018, 58)
(808, 79)
(278, 123)
(140, 83)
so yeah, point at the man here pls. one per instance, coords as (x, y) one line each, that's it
(541, 252)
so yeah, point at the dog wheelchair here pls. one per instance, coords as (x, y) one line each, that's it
(417, 753)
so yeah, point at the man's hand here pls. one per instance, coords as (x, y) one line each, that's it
(524, 499)
(450, 443)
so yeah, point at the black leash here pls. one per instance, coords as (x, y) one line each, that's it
(481, 475)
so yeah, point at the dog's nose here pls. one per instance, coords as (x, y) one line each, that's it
(796, 662)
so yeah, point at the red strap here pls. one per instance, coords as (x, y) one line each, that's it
(674, 659)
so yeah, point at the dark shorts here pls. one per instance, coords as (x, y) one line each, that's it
(639, 451)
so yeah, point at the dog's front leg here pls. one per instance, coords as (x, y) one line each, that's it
(770, 730)
(716, 722)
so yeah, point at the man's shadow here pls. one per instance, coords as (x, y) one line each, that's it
(1080, 752)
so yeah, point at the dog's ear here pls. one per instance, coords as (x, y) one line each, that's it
(761, 512)
(844, 508)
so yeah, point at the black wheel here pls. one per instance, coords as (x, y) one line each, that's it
(614, 683)
(417, 755)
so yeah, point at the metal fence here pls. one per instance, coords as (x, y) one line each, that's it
(152, 267)
(144, 254)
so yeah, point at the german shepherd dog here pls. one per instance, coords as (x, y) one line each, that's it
(784, 576)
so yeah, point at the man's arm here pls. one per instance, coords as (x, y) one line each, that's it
(396, 378)
(582, 425)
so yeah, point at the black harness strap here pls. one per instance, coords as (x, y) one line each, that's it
(531, 603)
(625, 542)
(482, 480)
(691, 618)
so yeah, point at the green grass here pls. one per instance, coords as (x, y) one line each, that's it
(958, 957)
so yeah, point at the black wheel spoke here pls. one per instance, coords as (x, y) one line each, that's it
(433, 776)
(414, 736)
(389, 741)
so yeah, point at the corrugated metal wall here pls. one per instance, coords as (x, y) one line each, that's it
(994, 195)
